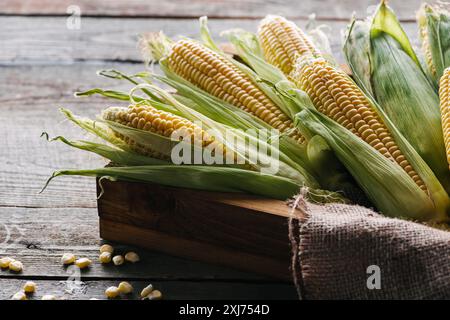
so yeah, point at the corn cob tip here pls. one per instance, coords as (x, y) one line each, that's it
(154, 46)
(444, 96)
(283, 42)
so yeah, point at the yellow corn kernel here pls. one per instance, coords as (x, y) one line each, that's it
(423, 35)
(283, 42)
(444, 96)
(125, 288)
(29, 287)
(16, 266)
(49, 297)
(5, 261)
(154, 295)
(219, 77)
(106, 248)
(118, 260)
(132, 257)
(146, 291)
(112, 292)
(105, 257)
(334, 94)
(19, 296)
(83, 263)
(68, 258)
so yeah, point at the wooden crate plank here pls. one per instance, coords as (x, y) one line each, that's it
(171, 290)
(219, 8)
(42, 40)
(39, 237)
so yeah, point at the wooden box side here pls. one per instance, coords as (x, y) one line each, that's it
(237, 230)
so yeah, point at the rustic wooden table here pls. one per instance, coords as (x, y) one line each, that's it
(42, 63)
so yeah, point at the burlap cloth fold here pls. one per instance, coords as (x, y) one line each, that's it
(350, 252)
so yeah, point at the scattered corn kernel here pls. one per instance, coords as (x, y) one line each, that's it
(4, 262)
(125, 287)
(19, 296)
(48, 297)
(118, 260)
(105, 257)
(68, 258)
(112, 292)
(83, 263)
(146, 291)
(29, 287)
(132, 257)
(155, 295)
(16, 266)
(106, 248)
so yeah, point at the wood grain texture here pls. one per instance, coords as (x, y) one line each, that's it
(39, 40)
(171, 290)
(326, 9)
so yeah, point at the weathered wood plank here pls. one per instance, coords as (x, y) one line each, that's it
(39, 237)
(40, 40)
(219, 8)
(30, 97)
(171, 290)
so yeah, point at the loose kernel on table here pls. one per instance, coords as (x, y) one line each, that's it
(48, 297)
(118, 260)
(146, 291)
(125, 287)
(106, 248)
(155, 295)
(68, 258)
(105, 257)
(29, 287)
(19, 296)
(83, 263)
(112, 292)
(16, 266)
(132, 257)
(5, 261)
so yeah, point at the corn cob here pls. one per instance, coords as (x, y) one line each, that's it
(444, 95)
(334, 94)
(423, 35)
(163, 123)
(216, 75)
(283, 42)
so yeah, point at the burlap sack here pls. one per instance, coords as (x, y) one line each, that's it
(347, 252)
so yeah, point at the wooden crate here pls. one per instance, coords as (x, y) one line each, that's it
(236, 230)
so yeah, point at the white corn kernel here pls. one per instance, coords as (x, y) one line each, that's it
(16, 266)
(125, 287)
(93, 299)
(105, 257)
(29, 287)
(146, 291)
(68, 258)
(5, 261)
(132, 257)
(106, 248)
(112, 292)
(155, 295)
(48, 297)
(19, 296)
(118, 260)
(83, 263)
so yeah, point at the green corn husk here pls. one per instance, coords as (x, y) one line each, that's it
(130, 166)
(393, 192)
(434, 27)
(386, 67)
